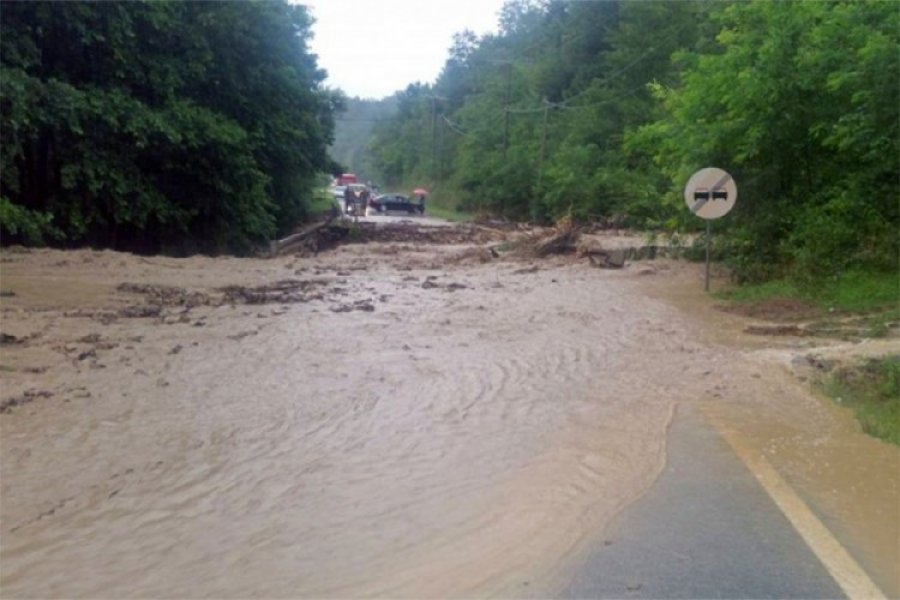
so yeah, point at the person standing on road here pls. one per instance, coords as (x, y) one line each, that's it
(363, 201)
(348, 199)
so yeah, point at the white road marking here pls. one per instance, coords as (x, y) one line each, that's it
(854, 581)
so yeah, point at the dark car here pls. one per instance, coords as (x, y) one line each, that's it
(394, 202)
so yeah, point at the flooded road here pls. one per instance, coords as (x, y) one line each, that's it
(404, 421)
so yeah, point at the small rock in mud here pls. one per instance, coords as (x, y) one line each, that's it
(29, 396)
(363, 305)
(242, 335)
(140, 311)
(7, 339)
(88, 354)
(7, 293)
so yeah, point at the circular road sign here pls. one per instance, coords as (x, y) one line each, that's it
(710, 193)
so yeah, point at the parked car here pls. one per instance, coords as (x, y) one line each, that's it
(394, 202)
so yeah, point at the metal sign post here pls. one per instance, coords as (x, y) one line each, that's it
(710, 193)
(708, 235)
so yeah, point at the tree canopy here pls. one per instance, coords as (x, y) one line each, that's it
(604, 109)
(204, 126)
(159, 125)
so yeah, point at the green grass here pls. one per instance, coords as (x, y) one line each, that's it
(450, 213)
(322, 202)
(757, 292)
(872, 390)
(853, 291)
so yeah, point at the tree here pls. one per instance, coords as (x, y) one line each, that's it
(790, 105)
(149, 125)
(595, 109)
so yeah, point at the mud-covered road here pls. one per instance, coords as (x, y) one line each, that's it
(399, 419)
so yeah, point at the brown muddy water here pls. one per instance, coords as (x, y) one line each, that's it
(390, 421)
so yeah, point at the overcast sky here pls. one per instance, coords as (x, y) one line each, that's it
(372, 48)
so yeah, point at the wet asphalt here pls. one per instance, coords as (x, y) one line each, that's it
(705, 529)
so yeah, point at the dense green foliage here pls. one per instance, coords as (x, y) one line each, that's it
(855, 290)
(158, 125)
(604, 109)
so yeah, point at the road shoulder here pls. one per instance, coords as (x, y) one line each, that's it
(706, 529)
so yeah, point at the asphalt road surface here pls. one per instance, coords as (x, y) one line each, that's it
(705, 529)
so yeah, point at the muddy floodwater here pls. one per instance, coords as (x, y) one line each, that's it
(380, 420)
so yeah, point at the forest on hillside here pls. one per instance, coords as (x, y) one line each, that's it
(195, 126)
(602, 110)
(159, 126)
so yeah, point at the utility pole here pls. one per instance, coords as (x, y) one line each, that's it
(441, 147)
(508, 63)
(537, 189)
(434, 141)
(433, 133)
(543, 143)
(506, 109)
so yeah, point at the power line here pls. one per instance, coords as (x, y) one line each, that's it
(606, 80)
(632, 92)
(456, 127)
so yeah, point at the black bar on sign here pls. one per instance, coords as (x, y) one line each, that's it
(720, 195)
(701, 194)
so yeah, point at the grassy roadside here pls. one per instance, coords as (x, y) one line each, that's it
(872, 390)
(443, 205)
(322, 202)
(859, 304)
(854, 291)
(435, 209)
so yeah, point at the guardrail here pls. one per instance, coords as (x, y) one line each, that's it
(306, 234)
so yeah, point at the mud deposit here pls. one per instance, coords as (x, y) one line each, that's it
(403, 420)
